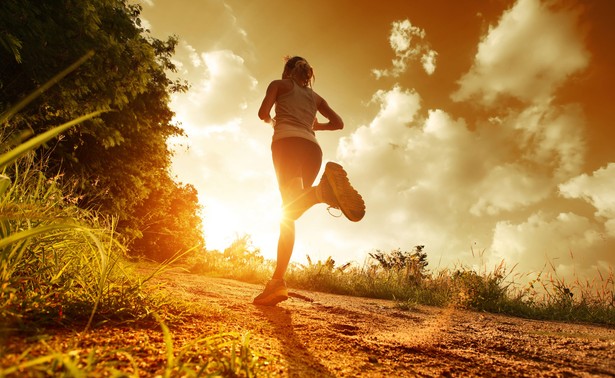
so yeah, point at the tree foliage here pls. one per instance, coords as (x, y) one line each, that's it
(119, 162)
(414, 263)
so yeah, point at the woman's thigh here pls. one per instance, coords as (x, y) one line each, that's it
(296, 157)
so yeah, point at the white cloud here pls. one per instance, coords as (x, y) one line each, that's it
(596, 189)
(428, 60)
(528, 55)
(509, 187)
(213, 75)
(408, 43)
(431, 179)
(223, 152)
(418, 175)
(572, 244)
(547, 138)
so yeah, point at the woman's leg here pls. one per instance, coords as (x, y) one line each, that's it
(297, 164)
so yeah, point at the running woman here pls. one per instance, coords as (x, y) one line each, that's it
(297, 159)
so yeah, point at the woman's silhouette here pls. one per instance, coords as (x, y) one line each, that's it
(297, 158)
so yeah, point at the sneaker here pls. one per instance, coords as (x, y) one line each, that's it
(274, 293)
(337, 192)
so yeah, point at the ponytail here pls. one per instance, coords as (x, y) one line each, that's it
(300, 70)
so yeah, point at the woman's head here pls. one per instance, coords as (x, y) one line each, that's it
(298, 69)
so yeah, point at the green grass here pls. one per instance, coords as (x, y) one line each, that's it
(403, 277)
(63, 266)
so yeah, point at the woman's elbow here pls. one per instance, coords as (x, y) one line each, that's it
(262, 115)
(338, 124)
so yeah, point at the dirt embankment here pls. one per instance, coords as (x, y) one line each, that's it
(322, 335)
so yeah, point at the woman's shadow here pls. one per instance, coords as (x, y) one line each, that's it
(301, 362)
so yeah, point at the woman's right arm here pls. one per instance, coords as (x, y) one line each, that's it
(264, 112)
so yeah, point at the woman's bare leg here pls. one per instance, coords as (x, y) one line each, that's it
(286, 243)
(296, 201)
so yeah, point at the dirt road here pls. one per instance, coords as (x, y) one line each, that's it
(323, 335)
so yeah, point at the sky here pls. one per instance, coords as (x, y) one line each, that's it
(480, 129)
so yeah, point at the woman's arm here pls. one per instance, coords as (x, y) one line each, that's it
(335, 121)
(264, 112)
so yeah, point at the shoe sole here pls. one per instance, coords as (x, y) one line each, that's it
(272, 299)
(350, 201)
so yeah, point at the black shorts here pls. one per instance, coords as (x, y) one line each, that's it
(296, 157)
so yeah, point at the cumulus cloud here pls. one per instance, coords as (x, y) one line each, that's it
(416, 173)
(213, 74)
(430, 178)
(571, 244)
(597, 189)
(527, 55)
(408, 43)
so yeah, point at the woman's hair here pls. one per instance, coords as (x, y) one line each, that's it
(299, 69)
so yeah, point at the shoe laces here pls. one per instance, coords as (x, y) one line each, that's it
(333, 214)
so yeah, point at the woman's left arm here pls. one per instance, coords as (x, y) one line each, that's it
(335, 121)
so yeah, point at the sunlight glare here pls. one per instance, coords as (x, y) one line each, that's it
(219, 225)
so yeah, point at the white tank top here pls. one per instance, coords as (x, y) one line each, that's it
(294, 114)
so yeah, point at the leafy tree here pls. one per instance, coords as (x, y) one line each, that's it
(167, 220)
(120, 159)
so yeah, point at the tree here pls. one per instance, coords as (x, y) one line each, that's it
(168, 221)
(120, 159)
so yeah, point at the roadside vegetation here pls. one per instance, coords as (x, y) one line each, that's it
(404, 276)
(84, 182)
(63, 266)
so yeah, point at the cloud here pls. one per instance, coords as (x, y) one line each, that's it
(572, 244)
(213, 75)
(408, 43)
(597, 190)
(223, 151)
(430, 178)
(416, 172)
(527, 55)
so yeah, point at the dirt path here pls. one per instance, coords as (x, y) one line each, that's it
(333, 336)
(322, 335)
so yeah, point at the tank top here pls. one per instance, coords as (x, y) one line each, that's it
(295, 111)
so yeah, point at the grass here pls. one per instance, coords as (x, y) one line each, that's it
(62, 267)
(403, 277)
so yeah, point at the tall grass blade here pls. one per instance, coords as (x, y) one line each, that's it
(26, 234)
(5, 183)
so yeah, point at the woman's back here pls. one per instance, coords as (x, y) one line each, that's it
(296, 108)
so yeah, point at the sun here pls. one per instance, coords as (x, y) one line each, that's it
(219, 225)
(224, 221)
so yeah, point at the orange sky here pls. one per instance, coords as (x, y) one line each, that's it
(470, 126)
